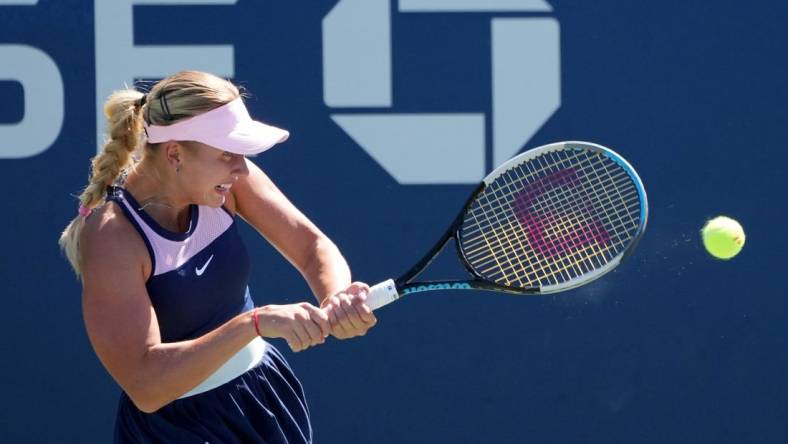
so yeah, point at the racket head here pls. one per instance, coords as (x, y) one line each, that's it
(551, 219)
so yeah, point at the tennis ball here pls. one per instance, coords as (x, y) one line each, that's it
(723, 237)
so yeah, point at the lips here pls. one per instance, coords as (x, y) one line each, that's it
(223, 187)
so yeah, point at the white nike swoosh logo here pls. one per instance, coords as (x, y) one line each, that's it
(200, 271)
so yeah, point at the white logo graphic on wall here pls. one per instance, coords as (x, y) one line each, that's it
(119, 61)
(440, 148)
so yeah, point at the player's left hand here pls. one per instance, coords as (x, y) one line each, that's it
(348, 312)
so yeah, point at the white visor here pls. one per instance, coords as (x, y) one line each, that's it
(228, 127)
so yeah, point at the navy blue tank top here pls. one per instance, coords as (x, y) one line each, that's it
(199, 278)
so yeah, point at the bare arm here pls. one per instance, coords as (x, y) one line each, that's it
(310, 251)
(318, 259)
(122, 326)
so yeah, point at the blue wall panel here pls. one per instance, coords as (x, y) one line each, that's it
(672, 347)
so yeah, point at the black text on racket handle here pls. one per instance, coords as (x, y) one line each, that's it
(382, 294)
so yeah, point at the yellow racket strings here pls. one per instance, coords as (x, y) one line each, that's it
(551, 219)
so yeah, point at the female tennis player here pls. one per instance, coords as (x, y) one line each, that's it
(165, 273)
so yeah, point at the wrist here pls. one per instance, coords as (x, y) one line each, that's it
(256, 321)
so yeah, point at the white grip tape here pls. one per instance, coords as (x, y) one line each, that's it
(382, 294)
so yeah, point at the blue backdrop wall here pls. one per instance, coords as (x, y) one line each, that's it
(672, 347)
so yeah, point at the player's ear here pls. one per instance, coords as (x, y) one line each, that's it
(174, 154)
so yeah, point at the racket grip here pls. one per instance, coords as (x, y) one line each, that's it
(382, 294)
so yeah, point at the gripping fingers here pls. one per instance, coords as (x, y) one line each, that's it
(363, 310)
(300, 338)
(366, 314)
(306, 326)
(359, 292)
(353, 316)
(313, 330)
(319, 318)
(357, 288)
(336, 317)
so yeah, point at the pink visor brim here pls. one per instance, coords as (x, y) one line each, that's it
(228, 127)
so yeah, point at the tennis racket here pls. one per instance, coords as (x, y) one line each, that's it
(548, 220)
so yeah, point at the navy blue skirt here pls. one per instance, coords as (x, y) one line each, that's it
(264, 405)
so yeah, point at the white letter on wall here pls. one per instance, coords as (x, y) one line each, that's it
(43, 101)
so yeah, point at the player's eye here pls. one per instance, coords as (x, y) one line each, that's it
(227, 155)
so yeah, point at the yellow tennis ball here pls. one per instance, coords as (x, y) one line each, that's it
(723, 237)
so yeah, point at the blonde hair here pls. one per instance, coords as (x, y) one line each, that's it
(180, 96)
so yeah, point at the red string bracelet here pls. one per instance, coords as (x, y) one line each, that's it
(256, 324)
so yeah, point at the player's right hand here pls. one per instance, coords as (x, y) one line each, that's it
(302, 325)
(348, 313)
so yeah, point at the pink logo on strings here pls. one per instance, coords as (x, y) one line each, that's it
(591, 231)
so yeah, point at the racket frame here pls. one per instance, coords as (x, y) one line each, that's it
(404, 284)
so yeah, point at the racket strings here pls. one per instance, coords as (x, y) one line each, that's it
(551, 219)
(474, 252)
(600, 252)
(631, 198)
(517, 263)
(557, 198)
(532, 259)
(503, 200)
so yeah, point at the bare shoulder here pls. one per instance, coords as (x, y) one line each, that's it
(109, 241)
(119, 318)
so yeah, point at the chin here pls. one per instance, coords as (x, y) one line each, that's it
(213, 200)
(216, 203)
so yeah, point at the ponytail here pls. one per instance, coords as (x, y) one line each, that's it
(124, 115)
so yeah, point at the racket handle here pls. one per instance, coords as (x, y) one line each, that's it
(382, 294)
